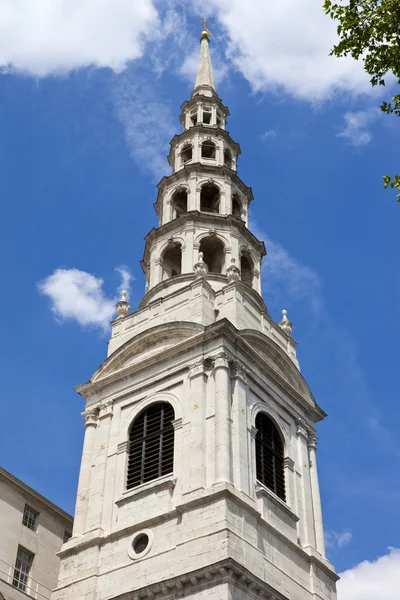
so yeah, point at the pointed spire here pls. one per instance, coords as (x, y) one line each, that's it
(205, 78)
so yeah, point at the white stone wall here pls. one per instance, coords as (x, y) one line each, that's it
(211, 508)
(45, 542)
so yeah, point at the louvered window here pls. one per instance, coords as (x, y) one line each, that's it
(151, 445)
(270, 456)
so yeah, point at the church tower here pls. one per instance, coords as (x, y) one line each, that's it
(198, 476)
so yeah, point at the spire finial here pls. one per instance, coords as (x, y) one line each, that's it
(122, 306)
(205, 79)
(285, 324)
(206, 33)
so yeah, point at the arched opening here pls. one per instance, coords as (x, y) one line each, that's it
(179, 202)
(213, 253)
(246, 270)
(207, 114)
(236, 206)
(186, 153)
(151, 445)
(208, 149)
(270, 456)
(227, 158)
(172, 261)
(209, 198)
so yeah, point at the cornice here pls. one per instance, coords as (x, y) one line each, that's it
(188, 168)
(211, 495)
(212, 221)
(200, 98)
(208, 129)
(223, 328)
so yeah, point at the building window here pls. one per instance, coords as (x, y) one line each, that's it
(270, 456)
(207, 116)
(22, 568)
(67, 536)
(209, 198)
(208, 149)
(186, 153)
(213, 253)
(29, 518)
(151, 445)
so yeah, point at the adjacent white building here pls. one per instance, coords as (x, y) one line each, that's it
(198, 476)
(32, 531)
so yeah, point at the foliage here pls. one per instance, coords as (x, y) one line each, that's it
(369, 30)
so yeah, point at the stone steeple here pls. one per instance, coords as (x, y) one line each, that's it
(198, 477)
(205, 78)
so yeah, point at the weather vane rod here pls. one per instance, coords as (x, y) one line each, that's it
(205, 28)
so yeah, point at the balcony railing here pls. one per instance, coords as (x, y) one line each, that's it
(23, 582)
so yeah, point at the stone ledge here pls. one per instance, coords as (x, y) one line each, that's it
(262, 490)
(163, 483)
(226, 571)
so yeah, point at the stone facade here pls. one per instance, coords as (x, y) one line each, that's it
(44, 541)
(203, 343)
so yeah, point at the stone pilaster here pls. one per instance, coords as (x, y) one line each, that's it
(82, 500)
(316, 498)
(241, 449)
(307, 517)
(222, 419)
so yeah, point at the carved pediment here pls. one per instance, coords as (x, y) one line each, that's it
(147, 344)
(277, 358)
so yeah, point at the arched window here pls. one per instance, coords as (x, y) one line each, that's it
(227, 158)
(179, 202)
(151, 445)
(172, 261)
(209, 198)
(270, 456)
(208, 149)
(186, 153)
(246, 269)
(213, 253)
(236, 206)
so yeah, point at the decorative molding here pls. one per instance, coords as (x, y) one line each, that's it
(91, 416)
(226, 571)
(221, 361)
(302, 429)
(123, 447)
(197, 368)
(239, 371)
(312, 441)
(106, 409)
(289, 463)
(253, 432)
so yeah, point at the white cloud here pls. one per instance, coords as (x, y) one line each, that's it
(379, 579)
(79, 296)
(356, 130)
(336, 540)
(286, 44)
(270, 133)
(148, 123)
(46, 36)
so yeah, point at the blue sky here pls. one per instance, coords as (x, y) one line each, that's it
(87, 110)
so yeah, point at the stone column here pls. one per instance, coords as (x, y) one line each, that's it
(316, 498)
(91, 418)
(307, 512)
(241, 459)
(194, 463)
(99, 503)
(222, 419)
